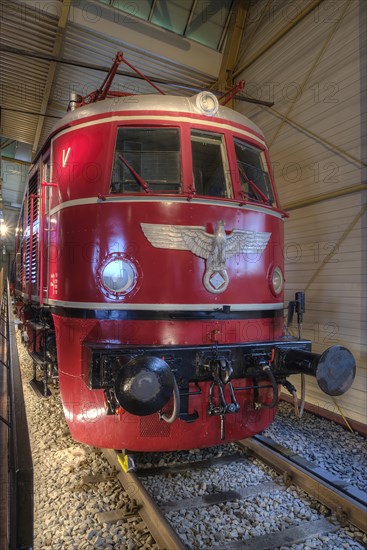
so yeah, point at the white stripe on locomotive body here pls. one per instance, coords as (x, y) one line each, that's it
(163, 307)
(194, 201)
(155, 307)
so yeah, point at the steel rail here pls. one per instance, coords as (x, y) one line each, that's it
(161, 530)
(310, 478)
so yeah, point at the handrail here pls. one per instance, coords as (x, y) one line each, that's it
(16, 517)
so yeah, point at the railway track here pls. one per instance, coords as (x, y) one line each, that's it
(345, 504)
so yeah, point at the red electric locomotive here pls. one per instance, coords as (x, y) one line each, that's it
(150, 274)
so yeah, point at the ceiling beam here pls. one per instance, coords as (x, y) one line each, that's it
(254, 29)
(317, 137)
(51, 71)
(325, 197)
(15, 161)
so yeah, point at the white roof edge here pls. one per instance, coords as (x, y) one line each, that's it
(153, 102)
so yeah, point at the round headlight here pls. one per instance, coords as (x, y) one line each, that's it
(118, 276)
(207, 103)
(277, 280)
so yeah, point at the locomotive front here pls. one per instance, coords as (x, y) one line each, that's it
(163, 269)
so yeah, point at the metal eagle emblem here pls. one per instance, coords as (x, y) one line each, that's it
(216, 249)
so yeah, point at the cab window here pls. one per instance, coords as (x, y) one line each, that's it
(147, 159)
(254, 175)
(210, 165)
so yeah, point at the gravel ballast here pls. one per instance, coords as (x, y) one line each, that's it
(334, 448)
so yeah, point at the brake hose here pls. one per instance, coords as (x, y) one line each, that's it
(176, 405)
(268, 373)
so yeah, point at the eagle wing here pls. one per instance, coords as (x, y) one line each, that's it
(179, 237)
(244, 242)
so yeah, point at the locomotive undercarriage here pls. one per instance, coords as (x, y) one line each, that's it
(122, 371)
(38, 335)
(142, 380)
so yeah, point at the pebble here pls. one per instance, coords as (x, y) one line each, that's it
(90, 534)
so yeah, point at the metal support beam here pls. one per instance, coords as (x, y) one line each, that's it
(254, 29)
(15, 161)
(301, 15)
(234, 37)
(325, 197)
(51, 71)
(317, 137)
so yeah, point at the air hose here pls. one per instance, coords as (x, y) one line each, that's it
(268, 373)
(176, 405)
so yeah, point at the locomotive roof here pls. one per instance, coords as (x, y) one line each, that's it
(153, 102)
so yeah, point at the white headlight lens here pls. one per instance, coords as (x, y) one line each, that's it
(119, 276)
(207, 103)
(277, 280)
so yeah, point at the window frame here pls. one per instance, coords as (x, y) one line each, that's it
(157, 126)
(235, 173)
(224, 151)
(263, 167)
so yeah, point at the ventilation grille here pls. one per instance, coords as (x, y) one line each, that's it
(151, 426)
(33, 207)
(32, 192)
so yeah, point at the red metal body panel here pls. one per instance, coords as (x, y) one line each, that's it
(85, 409)
(84, 235)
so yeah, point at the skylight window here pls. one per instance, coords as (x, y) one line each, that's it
(203, 21)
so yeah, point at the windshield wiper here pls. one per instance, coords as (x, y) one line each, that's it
(137, 176)
(253, 185)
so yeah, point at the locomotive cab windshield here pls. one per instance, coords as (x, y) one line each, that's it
(151, 153)
(150, 160)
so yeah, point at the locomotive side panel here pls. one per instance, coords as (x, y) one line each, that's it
(81, 162)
